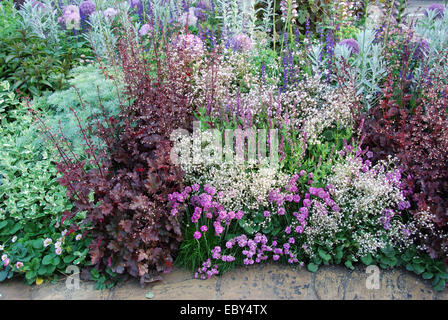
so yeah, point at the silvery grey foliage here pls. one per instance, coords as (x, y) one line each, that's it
(368, 67)
(163, 12)
(237, 16)
(267, 11)
(101, 35)
(41, 20)
(435, 32)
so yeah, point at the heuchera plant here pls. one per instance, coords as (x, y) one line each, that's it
(124, 186)
(418, 137)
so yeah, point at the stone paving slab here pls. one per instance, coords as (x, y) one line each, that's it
(260, 282)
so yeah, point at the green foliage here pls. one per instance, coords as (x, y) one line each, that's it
(95, 91)
(32, 205)
(7, 99)
(33, 65)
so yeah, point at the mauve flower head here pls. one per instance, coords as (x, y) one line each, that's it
(86, 8)
(192, 49)
(281, 211)
(336, 208)
(304, 211)
(350, 44)
(438, 8)
(197, 235)
(241, 42)
(306, 202)
(288, 230)
(204, 228)
(72, 17)
(188, 17)
(145, 29)
(110, 13)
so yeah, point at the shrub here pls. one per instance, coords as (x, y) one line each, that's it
(33, 241)
(97, 91)
(418, 138)
(124, 191)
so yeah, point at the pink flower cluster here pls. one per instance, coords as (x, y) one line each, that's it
(206, 206)
(189, 46)
(206, 271)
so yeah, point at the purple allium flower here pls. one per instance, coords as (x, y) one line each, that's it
(197, 235)
(369, 154)
(267, 214)
(72, 17)
(188, 17)
(299, 229)
(204, 228)
(302, 173)
(110, 13)
(296, 198)
(195, 187)
(288, 230)
(241, 42)
(144, 30)
(291, 240)
(350, 44)
(438, 8)
(281, 211)
(275, 257)
(86, 8)
(336, 208)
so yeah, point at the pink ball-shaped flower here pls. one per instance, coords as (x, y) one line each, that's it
(197, 235)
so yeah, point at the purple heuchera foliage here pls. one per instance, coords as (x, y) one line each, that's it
(439, 8)
(86, 8)
(351, 44)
